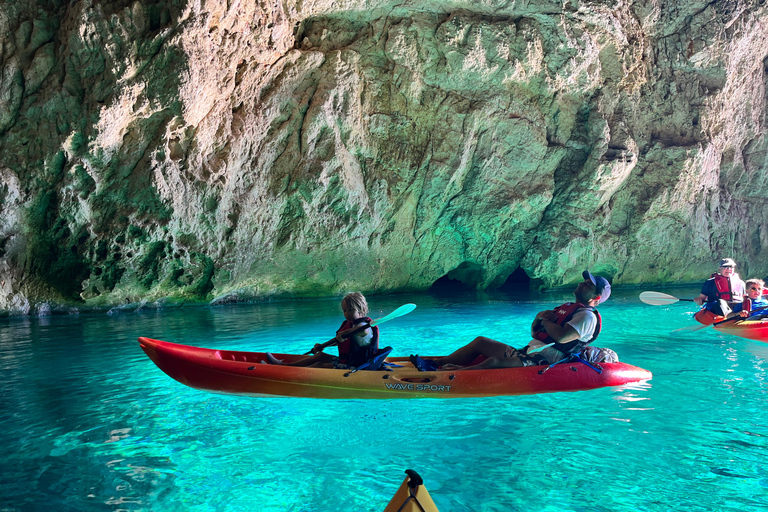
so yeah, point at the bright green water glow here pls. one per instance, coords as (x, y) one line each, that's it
(89, 423)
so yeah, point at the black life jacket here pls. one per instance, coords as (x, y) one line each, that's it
(564, 314)
(352, 354)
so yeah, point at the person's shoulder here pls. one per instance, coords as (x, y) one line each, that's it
(586, 313)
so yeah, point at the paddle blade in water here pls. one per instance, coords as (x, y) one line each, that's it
(691, 328)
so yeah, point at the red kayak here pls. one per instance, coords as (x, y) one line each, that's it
(245, 373)
(751, 329)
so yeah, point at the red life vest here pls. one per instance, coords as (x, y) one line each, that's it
(723, 285)
(564, 314)
(353, 354)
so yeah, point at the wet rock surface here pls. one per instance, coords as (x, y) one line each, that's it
(165, 152)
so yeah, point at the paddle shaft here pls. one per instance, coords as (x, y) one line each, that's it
(334, 341)
(402, 310)
(736, 318)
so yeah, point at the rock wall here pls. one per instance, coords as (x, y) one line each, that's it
(232, 150)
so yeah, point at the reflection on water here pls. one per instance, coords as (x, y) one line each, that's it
(89, 423)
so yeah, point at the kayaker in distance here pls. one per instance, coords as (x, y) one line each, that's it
(569, 328)
(720, 293)
(754, 299)
(354, 349)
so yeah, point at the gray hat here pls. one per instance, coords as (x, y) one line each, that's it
(727, 262)
(603, 287)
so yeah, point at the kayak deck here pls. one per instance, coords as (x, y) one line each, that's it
(245, 373)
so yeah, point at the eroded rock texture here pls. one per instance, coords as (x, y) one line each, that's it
(226, 150)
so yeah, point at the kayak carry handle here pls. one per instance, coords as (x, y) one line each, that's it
(415, 479)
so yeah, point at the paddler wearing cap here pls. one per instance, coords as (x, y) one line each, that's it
(720, 293)
(566, 330)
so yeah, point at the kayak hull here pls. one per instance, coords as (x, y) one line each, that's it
(752, 329)
(243, 373)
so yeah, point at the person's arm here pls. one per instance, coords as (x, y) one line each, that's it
(701, 299)
(560, 333)
(738, 310)
(536, 326)
(704, 294)
(582, 325)
(361, 337)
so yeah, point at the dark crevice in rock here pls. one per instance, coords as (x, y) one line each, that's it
(445, 286)
(517, 281)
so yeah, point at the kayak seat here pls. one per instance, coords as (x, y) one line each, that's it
(375, 363)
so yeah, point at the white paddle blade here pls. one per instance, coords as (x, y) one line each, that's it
(657, 298)
(539, 348)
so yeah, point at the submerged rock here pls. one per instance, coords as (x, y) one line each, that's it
(234, 151)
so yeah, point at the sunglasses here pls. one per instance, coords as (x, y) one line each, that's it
(755, 289)
(727, 266)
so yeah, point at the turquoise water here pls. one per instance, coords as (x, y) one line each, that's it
(89, 423)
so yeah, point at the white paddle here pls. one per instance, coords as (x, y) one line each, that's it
(660, 299)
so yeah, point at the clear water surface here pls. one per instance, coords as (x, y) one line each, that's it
(90, 424)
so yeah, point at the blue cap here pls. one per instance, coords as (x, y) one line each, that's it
(603, 287)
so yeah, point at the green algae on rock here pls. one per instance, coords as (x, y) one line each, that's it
(226, 151)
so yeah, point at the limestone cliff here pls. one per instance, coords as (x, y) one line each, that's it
(230, 150)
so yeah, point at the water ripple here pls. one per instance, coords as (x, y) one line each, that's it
(91, 424)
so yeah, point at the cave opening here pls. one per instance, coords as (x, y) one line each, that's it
(517, 282)
(446, 285)
(462, 279)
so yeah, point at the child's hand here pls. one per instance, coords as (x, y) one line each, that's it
(363, 339)
(317, 348)
(744, 314)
